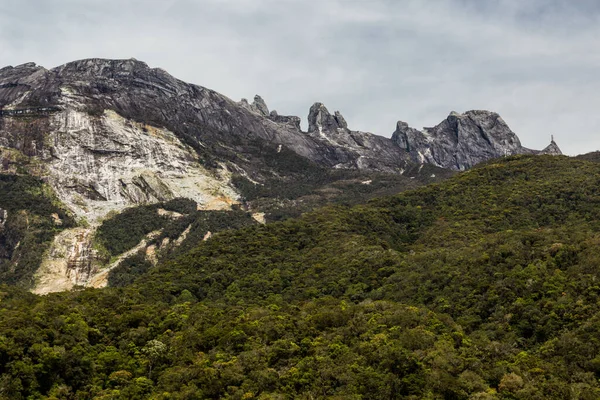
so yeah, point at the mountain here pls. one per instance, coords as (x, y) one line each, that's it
(102, 136)
(116, 132)
(483, 286)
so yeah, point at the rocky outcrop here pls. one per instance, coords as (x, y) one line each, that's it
(258, 106)
(552, 149)
(462, 141)
(71, 261)
(289, 121)
(366, 151)
(320, 120)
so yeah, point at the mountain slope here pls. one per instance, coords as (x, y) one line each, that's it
(111, 134)
(29, 218)
(483, 286)
(220, 129)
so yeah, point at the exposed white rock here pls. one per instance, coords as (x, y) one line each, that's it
(151, 254)
(109, 163)
(102, 164)
(259, 217)
(182, 237)
(70, 261)
(171, 214)
(56, 219)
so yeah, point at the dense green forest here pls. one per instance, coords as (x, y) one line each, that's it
(484, 286)
(125, 230)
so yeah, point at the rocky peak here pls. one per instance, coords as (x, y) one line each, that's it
(406, 137)
(462, 140)
(261, 106)
(552, 149)
(258, 106)
(28, 65)
(289, 121)
(320, 120)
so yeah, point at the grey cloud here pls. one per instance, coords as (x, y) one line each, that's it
(376, 61)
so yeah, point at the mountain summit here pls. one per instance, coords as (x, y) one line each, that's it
(106, 135)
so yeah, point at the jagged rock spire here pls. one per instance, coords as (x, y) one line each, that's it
(320, 120)
(406, 137)
(258, 106)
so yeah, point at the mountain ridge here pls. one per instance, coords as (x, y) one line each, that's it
(139, 74)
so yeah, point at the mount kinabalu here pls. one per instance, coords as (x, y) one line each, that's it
(108, 134)
(214, 125)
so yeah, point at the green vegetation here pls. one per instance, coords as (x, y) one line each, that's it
(129, 269)
(200, 223)
(593, 156)
(194, 226)
(30, 226)
(298, 185)
(481, 287)
(125, 230)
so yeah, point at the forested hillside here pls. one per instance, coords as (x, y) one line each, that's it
(485, 286)
(30, 216)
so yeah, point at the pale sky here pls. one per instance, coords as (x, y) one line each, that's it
(535, 62)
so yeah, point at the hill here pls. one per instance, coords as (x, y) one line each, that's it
(484, 286)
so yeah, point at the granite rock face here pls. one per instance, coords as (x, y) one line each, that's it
(463, 140)
(319, 119)
(362, 150)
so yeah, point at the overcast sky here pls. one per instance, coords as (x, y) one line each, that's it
(535, 62)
